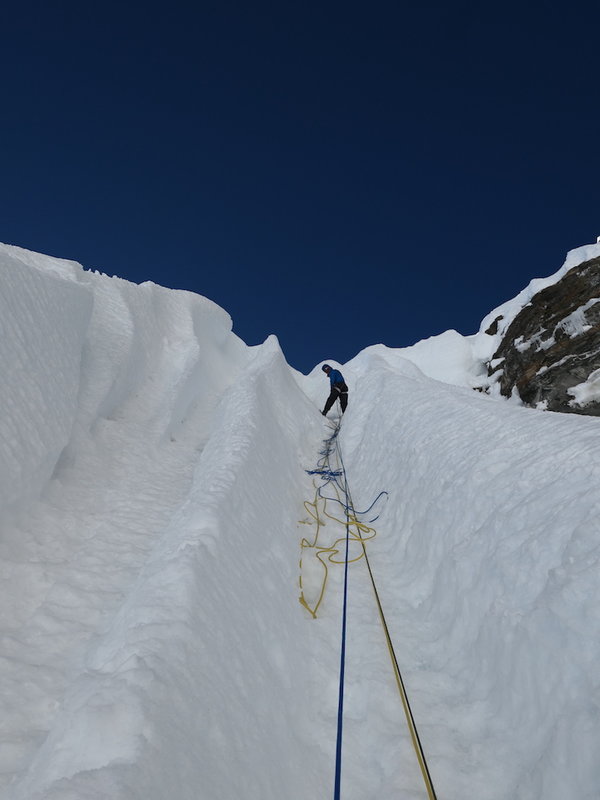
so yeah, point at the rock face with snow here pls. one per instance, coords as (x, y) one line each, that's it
(550, 352)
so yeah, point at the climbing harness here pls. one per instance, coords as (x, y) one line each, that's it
(334, 480)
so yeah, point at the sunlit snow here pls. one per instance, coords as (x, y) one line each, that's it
(152, 480)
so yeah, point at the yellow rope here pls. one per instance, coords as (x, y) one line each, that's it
(402, 690)
(356, 531)
(324, 553)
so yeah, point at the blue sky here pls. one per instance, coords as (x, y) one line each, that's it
(337, 174)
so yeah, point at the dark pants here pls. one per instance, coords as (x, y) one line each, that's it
(340, 391)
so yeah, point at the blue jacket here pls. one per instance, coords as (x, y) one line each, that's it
(335, 376)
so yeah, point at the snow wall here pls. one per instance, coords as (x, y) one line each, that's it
(152, 485)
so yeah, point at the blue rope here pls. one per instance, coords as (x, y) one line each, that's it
(340, 720)
(326, 473)
(348, 507)
(338, 747)
(328, 476)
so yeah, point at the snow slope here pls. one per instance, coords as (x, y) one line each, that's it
(490, 564)
(152, 487)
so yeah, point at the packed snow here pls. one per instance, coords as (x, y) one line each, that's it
(152, 487)
(586, 392)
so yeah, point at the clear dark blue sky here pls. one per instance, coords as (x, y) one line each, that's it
(340, 174)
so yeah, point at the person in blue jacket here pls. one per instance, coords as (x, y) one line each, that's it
(338, 389)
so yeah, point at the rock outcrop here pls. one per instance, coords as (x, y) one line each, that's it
(550, 352)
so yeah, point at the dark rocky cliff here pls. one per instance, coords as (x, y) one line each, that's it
(553, 344)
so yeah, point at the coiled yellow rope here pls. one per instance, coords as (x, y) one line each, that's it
(331, 552)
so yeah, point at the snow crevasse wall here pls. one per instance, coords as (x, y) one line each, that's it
(82, 346)
(44, 320)
(172, 699)
(132, 423)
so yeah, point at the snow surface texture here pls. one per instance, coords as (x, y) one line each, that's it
(152, 483)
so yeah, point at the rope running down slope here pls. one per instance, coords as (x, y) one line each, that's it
(335, 479)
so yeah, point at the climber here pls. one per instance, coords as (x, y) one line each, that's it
(338, 389)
